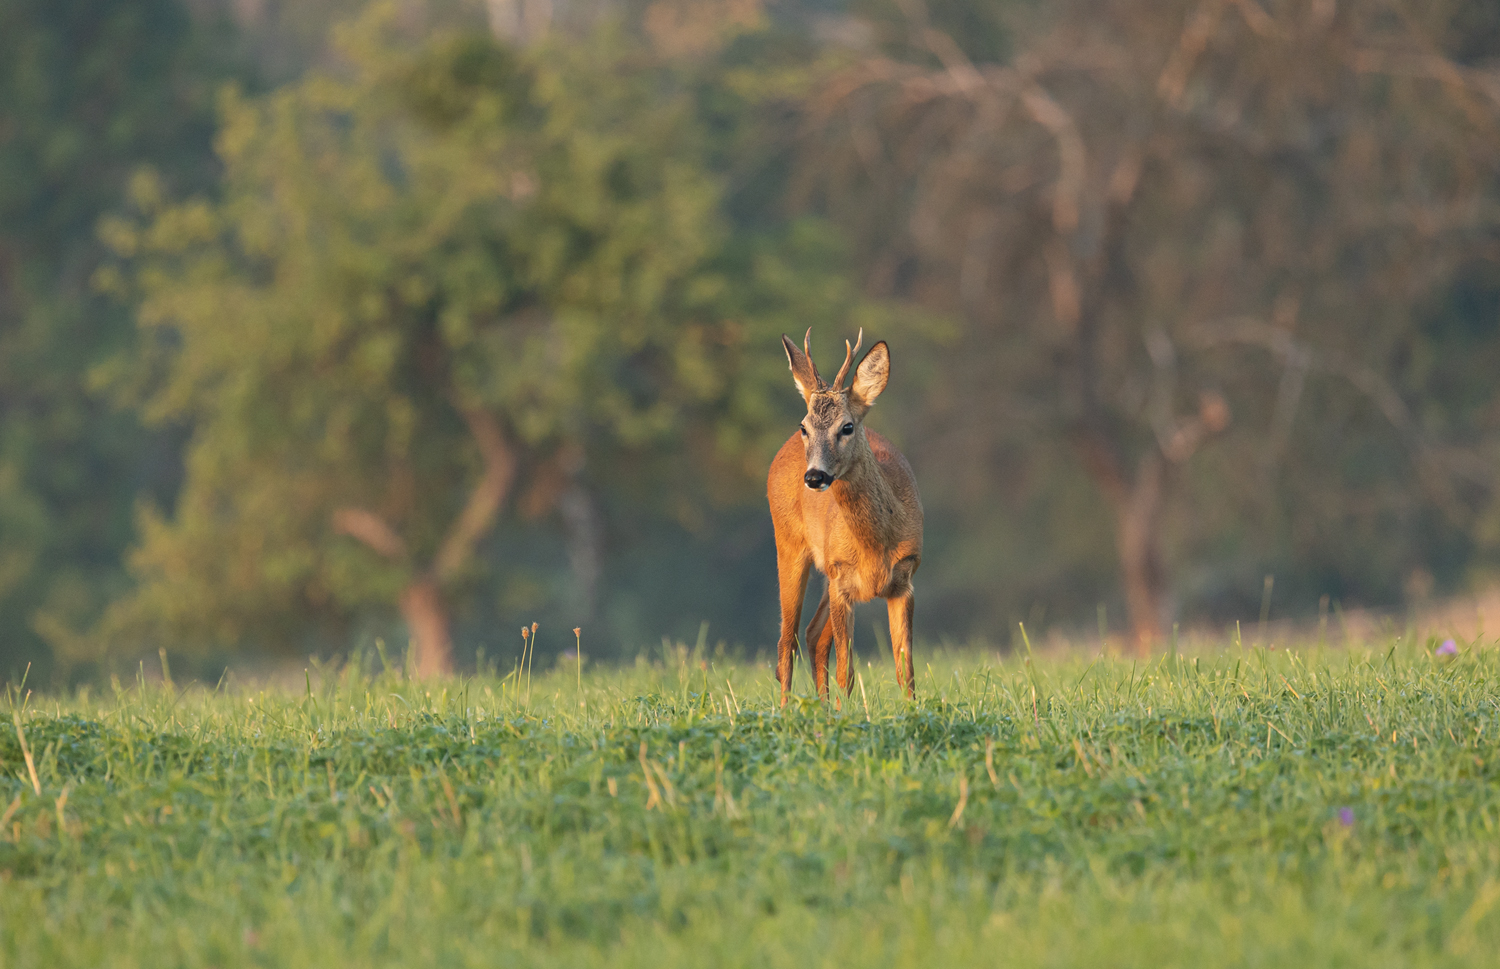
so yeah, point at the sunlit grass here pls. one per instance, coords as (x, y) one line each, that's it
(1233, 807)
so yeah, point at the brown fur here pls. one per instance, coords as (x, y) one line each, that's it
(864, 531)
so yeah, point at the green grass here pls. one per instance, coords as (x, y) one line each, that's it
(1181, 812)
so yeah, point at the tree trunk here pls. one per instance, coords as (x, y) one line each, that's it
(426, 615)
(422, 603)
(1137, 523)
(1137, 505)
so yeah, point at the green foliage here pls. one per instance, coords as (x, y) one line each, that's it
(1188, 812)
(88, 91)
(420, 235)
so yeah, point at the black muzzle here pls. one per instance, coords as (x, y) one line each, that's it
(817, 480)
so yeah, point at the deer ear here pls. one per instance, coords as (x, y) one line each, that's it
(871, 376)
(802, 367)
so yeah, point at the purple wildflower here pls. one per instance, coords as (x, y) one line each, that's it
(1346, 817)
(1449, 648)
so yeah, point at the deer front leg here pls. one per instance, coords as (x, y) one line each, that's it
(841, 635)
(902, 609)
(792, 572)
(840, 615)
(819, 636)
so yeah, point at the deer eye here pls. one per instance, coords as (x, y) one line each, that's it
(802, 428)
(847, 429)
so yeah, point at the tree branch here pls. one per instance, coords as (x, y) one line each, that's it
(1431, 469)
(1432, 67)
(1249, 331)
(371, 529)
(1072, 156)
(1195, 37)
(960, 69)
(484, 503)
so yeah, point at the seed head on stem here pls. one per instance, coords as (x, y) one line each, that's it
(578, 654)
(530, 664)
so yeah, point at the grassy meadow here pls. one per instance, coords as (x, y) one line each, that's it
(1231, 806)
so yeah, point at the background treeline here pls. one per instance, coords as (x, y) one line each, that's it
(324, 322)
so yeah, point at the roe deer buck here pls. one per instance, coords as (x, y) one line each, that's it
(843, 499)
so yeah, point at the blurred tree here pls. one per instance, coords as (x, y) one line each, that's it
(88, 91)
(1156, 216)
(432, 273)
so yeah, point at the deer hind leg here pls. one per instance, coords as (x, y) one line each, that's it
(819, 636)
(792, 573)
(902, 609)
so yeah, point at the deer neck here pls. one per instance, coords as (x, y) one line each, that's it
(866, 498)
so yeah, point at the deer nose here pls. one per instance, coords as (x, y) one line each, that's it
(817, 480)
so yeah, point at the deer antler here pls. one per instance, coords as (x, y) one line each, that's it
(849, 354)
(807, 352)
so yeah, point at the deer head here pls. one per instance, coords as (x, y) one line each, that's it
(833, 430)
